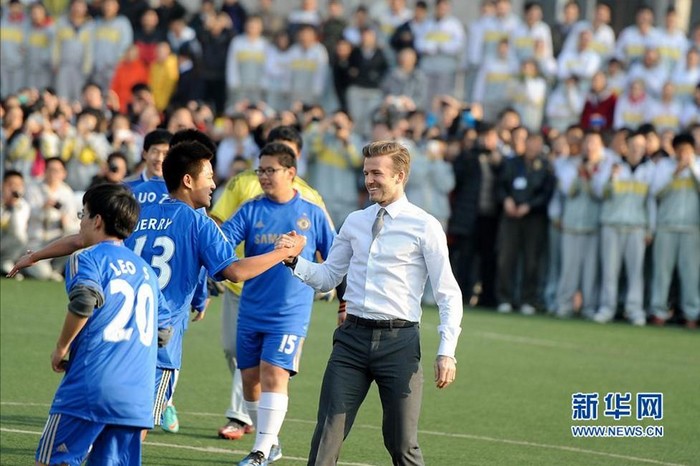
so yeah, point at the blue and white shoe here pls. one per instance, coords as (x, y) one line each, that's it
(275, 453)
(254, 458)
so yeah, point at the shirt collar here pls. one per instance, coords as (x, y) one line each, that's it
(394, 208)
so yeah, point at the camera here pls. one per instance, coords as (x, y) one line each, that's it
(113, 168)
(16, 194)
(57, 205)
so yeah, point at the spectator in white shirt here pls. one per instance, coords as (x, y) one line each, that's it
(237, 142)
(528, 94)
(14, 220)
(691, 112)
(441, 49)
(651, 71)
(308, 62)
(665, 113)
(360, 21)
(603, 40)
(531, 30)
(494, 28)
(565, 104)
(633, 40)
(632, 108)
(673, 43)
(581, 63)
(275, 80)
(245, 63)
(617, 76)
(686, 76)
(493, 81)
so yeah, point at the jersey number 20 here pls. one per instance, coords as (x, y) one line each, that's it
(143, 307)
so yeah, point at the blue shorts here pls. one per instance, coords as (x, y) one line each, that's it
(279, 349)
(165, 386)
(67, 439)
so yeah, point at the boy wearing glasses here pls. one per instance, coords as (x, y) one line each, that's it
(272, 322)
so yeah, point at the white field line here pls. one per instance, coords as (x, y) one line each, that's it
(191, 448)
(372, 427)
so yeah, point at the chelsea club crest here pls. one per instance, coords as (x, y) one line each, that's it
(303, 223)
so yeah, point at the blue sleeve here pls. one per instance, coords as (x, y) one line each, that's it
(235, 228)
(82, 270)
(201, 293)
(325, 234)
(215, 251)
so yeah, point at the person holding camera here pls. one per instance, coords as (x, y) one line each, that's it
(54, 214)
(114, 172)
(14, 219)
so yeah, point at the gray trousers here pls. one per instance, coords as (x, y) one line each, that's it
(618, 245)
(229, 328)
(579, 270)
(671, 249)
(552, 267)
(389, 357)
(11, 80)
(69, 82)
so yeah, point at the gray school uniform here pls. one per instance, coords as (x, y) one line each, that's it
(677, 241)
(628, 215)
(72, 57)
(112, 38)
(12, 35)
(37, 59)
(580, 240)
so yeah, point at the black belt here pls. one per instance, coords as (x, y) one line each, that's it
(371, 323)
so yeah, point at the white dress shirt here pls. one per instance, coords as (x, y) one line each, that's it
(386, 276)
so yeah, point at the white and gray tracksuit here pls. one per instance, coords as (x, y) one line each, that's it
(677, 241)
(72, 57)
(112, 38)
(628, 215)
(580, 226)
(38, 44)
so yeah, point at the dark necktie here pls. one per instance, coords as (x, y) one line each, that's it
(378, 222)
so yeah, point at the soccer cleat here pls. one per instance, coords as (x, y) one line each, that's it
(233, 430)
(504, 308)
(170, 422)
(254, 458)
(275, 453)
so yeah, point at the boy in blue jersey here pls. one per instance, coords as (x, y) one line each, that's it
(272, 322)
(155, 148)
(110, 331)
(174, 237)
(155, 191)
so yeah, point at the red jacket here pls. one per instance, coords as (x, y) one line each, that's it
(599, 111)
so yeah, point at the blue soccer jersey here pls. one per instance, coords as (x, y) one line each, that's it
(112, 367)
(153, 191)
(276, 301)
(177, 242)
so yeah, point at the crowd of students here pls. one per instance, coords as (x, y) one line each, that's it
(389, 71)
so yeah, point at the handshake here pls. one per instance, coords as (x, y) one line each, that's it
(294, 242)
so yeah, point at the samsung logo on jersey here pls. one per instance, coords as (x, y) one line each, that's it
(153, 224)
(266, 238)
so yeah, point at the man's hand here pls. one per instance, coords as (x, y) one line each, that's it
(23, 262)
(445, 371)
(199, 315)
(510, 207)
(522, 210)
(58, 359)
(294, 242)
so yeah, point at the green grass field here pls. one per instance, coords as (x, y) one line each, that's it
(510, 405)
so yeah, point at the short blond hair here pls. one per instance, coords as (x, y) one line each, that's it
(400, 156)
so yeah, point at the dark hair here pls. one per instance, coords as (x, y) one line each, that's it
(285, 155)
(530, 5)
(286, 133)
(138, 87)
(117, 206)
(157, 136)
(90, 84)
(55, 159)
(117, 155)
(183, 159)
(10, 173)
(683, 138)
(193, 135)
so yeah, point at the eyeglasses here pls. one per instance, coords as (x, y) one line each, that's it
(268, 171)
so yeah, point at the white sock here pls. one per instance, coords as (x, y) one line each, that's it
(176, 375)
(252, 408)
(272, 410)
